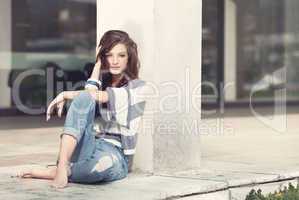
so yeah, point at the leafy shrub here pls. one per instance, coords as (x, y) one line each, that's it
(288, 193)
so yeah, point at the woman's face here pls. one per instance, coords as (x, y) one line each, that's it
(117, 58)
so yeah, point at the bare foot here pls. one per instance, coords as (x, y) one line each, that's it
(61, 178)
(45, 173)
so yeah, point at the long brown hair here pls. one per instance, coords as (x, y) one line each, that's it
(107, 42)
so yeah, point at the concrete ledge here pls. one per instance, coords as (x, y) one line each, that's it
(135, 186)
(144, 186)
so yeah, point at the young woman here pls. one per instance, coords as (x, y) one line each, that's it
(95, 151)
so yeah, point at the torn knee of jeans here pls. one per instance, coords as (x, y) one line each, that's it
(103, 163)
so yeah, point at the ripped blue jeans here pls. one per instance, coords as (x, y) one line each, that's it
(94, 159)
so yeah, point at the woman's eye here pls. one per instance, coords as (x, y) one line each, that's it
(109, 55)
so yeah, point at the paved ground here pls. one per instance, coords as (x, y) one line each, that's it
(243, 152)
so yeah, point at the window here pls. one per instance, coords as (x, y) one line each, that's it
(250, 51)
(47, 48)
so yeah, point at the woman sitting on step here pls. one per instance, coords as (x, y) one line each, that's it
(100, 130)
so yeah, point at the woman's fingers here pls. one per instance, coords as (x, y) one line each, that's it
(51, 108)
(59, 102)
(60, 108)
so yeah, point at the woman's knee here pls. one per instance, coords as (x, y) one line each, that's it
(84, 101)
(83, 96)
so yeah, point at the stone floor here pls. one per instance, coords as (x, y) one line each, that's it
(243, 154)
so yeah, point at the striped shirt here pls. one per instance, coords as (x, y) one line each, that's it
(119, 122)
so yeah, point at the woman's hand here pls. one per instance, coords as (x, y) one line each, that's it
(96, 70)
(58, 102)
(98, 64)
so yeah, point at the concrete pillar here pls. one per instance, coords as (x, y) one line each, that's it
(168, 35)
(291, 29)
(230, 50)
(5, 52)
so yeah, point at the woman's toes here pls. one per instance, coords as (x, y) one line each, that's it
(24, 174)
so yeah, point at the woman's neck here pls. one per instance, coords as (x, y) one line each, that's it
(116, 79)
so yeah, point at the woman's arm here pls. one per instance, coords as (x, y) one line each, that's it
(93, 82)
(98, 95)
(96, 71)
(59, 101)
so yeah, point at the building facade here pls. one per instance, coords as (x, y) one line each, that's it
(249, 51)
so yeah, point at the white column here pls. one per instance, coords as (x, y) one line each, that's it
(230, 51)
(168, 35)
(5, 52)
(291, 27)
(136, 18)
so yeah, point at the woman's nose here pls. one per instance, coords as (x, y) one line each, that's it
(114, 60)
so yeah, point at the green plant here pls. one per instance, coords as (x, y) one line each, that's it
(288, 193)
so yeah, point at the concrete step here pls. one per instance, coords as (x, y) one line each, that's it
(188, 185)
